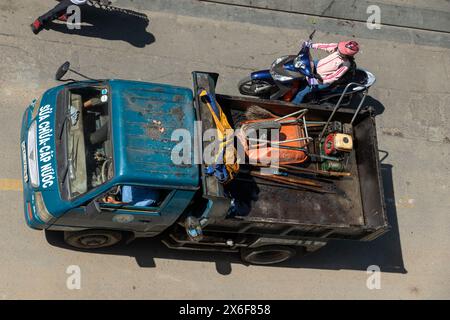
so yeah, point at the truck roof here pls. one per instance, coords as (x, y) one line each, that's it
(144, 116)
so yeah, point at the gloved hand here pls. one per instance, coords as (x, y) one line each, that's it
(312, 81)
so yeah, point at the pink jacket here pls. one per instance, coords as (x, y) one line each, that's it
(332, 67)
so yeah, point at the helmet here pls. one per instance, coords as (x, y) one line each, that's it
(348, 48)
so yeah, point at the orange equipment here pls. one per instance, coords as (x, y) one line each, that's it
(262, 147)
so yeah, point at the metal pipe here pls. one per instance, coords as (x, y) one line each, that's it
(302, 111)
(273, 184)
(305, 125)
(297, 181)
(336, 107)
(301, 120)
(360, 105)
(278, 142)
(314, 171)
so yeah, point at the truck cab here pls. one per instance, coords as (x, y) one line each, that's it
(87, 139)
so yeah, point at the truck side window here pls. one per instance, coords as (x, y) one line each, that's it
(135, 197)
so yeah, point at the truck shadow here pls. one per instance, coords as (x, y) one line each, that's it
(111, 23)
(384, 252)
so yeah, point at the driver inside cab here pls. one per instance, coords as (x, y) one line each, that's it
(330, 68)
(136, 196)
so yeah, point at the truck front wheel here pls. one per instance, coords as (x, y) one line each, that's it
(267, 254)
(92, 239)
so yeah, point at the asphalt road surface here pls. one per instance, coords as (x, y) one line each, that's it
(412, 97)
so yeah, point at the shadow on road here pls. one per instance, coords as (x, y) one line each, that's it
(377, 106)
(384, 252)
(111, 23)
(370, 103)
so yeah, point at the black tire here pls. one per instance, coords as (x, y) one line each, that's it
(248, 86)
(92, 239)
(266, 255)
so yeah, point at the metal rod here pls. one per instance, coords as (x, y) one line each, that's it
(286, 179)
(293, 148)
(291, 140)
(305, 126)
(336, 107)
(300, 120)
(360, 105)
(309, 188)
(313, 171)
(284, 185)
(294, 169)
(279, 142)
(302, 111)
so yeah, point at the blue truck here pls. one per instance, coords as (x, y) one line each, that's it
(85, 141)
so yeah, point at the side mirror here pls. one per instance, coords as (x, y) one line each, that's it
(93, 207)
(62, 70)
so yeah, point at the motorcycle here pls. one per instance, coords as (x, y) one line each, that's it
(288, 74)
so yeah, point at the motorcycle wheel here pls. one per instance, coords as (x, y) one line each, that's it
(257, 88)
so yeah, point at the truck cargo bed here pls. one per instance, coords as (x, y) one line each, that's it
(356, 208)
(286, 205)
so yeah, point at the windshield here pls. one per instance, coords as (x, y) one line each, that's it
(86, 133)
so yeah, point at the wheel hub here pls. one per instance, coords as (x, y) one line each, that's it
(93, 240)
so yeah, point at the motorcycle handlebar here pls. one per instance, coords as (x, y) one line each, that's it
(309, 38)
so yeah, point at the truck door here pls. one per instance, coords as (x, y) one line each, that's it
(144, 209)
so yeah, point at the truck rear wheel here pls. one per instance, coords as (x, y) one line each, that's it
(92, 239)
(266, 255)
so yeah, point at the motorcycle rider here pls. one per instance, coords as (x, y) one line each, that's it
(330, 68)
(58, 12)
